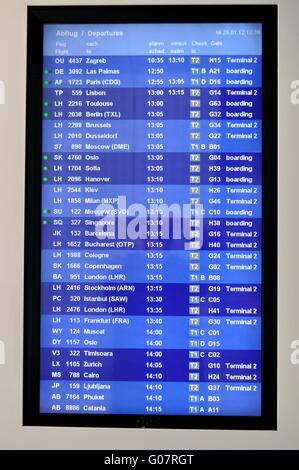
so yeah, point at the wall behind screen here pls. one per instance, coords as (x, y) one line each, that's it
(12, 151)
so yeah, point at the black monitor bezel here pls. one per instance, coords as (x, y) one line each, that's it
(37, 17)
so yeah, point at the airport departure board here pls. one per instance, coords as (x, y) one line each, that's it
(151, 221)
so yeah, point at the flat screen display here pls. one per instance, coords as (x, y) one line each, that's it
(151, 219)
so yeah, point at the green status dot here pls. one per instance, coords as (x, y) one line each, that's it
(45, 157)
(45, 222)
(46, 72)
(46, 103)
(45, 178)
(45, 168)
(46, 82)
(46, 114)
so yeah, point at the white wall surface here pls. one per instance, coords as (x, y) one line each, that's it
(12, 162)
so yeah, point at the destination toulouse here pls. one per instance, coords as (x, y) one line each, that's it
(152, 115)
